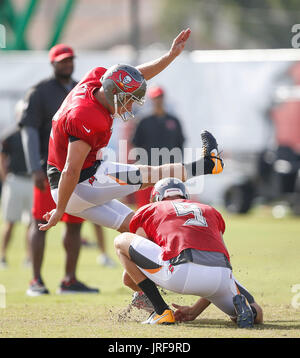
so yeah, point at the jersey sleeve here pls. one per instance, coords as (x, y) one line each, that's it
(32, 113)
(80, 125)
(93, 76)
(142, 218)
(221, 222)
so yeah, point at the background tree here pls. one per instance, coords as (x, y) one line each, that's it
(232, 23)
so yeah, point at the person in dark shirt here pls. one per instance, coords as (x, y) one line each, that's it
(16, 198)
(40, 105)
(159, 131)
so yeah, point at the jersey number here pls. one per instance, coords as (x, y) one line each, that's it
(183, 209)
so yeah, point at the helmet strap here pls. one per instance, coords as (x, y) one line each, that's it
(115, 104)
(125, 116)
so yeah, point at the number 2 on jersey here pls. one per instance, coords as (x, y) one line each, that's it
(183, 209)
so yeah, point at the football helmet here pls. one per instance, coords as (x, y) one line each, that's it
(168, 187)
(122, 84)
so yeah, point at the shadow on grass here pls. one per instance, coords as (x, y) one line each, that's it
(210, 323)
(279, 325)
(213, 323)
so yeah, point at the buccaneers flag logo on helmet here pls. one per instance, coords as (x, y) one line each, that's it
(121, 84)
(125, 82)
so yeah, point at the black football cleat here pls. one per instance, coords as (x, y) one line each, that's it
(245, 318)
(74, 286)
(211, 152)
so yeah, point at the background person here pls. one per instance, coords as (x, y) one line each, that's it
(103, 259)
(16, 200)
(158, 130)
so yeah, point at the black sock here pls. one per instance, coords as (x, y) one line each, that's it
(202, 166)
(151, 291)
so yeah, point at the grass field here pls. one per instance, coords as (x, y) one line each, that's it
(265, 255)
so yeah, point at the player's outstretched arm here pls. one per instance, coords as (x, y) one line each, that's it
(189, 313)
(77, 152)
(153, 68)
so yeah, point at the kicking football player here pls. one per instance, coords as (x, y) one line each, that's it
(177, 244)
(85, 187)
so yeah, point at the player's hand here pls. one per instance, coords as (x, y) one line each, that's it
(39, 179)
(179, 42)
(52, 218)
(183, 313)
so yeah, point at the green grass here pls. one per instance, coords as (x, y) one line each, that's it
(265, 255)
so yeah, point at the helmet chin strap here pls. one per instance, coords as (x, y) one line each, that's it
(116, 105)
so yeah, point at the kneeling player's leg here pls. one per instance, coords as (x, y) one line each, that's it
(128, 257)
(128, 281)
(257, 310)
(232, 301)
(223, 297)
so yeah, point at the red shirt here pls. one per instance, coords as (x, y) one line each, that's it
(180, 224)
(81, 116)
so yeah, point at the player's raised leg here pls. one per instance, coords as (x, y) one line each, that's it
(116, 180)
(209, 163)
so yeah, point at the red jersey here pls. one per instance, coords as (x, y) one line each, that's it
(180, 224)
(83, 117)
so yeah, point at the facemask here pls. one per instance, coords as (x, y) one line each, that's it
(124, 116)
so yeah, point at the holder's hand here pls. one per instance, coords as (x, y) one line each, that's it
(184, 313)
